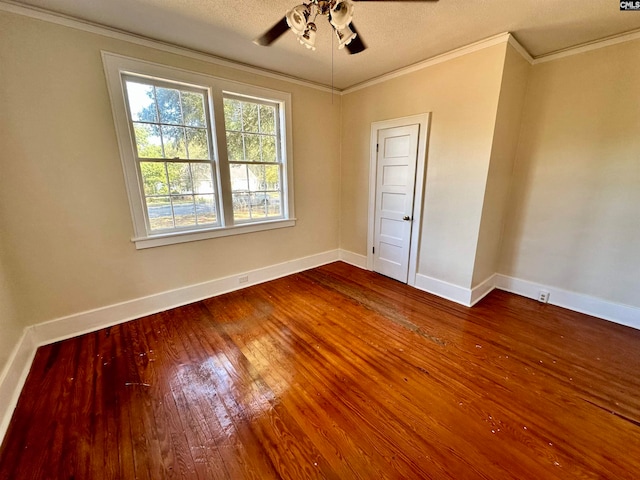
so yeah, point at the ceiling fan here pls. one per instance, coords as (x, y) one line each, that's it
(301, 20)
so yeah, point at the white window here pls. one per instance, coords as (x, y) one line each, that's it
(255, 162)
(203, 157)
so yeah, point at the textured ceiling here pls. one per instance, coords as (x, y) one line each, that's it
(397, 33)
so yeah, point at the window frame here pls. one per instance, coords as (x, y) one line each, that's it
(116, 68)
(278, 162)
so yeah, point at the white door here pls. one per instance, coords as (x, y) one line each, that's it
(395, 185)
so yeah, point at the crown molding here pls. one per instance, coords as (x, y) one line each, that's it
(588, 47)
(91, 27)
(10, 6)
(520, 49)
(445, 57)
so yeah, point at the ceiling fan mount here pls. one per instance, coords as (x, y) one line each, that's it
(301, 21)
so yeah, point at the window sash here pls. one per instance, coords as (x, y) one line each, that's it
(264, 202)
(173, 200)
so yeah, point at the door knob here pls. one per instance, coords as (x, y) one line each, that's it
(406, 217)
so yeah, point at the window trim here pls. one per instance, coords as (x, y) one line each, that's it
(115, 66)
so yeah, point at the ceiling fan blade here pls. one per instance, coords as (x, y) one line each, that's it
(273, 33)
(356, 45)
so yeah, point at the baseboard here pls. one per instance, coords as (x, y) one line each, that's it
(578, 302)
(482, 290)
(92, 320)
(13, 377)
(443, 289)
(17, 368)
(354, 259)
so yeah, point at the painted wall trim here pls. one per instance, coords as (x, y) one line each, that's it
(578, 302)
(520, 49)
(443, 289)
(445, 57)
(89, 321)
(17, 368)
(354, 259)
(449, 291)
(98, 29)
(589, 46)
(91, 27)
(480, 291)
(13, 377)
(84, 25)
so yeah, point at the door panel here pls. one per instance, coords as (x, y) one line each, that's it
(395, 185)
(393, 202)
(394, 175)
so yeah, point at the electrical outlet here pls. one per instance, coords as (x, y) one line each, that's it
(243, 279)
(543, 296)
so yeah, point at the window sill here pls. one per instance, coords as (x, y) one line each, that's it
(195, 235)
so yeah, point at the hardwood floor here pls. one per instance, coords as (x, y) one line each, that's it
(335, 373)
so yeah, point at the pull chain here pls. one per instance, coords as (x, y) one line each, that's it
(332, 48)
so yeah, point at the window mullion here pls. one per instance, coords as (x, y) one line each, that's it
(166, 171)
(218, 130)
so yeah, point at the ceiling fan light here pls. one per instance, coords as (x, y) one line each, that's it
(341, 14)
(308, 38)
(297, 19)
(345, 36)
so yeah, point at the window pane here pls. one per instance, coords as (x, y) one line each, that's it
(206, 209)
(239, 177)
(267, 119)
(148, 140)
(142, 105)
(193, 109)
(202, 178)
(256, 177)
(250, 117)
(174, 144)
(252, 147)
(160, 213)
(169, 105)
(274, 207)
(197, 143)
(259, 202)
(269, 148)
(179, 178)
(154, 178)
(241, 206)
(232, 114)
(272, 177)
(234, 147)
(184, 210)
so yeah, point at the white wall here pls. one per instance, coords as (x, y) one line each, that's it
(574, 221)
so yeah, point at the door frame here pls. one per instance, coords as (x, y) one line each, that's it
(424, 120)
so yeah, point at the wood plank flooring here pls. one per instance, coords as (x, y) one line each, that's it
(335, 373)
